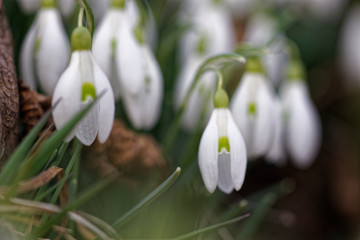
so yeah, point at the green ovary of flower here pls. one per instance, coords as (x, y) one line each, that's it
(221, 99)
(80, 39)
(295, 70)
(118, 4)
(254, 65)
(224, 144)
(48, 3)
(88, 90)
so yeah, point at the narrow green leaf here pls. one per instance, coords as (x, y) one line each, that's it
(54, 142)
(90, 23)
(210, 228)
(85, 196)
(148, 199)
(9, 171)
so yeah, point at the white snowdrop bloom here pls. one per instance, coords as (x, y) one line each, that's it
(199, 103)
(350, 49)
(106, 38)
(80, 83)
(222, 152)
(253, 109)
(140, 77)
(276, 153)
(45, 51)
(211, 25)
(302, 126)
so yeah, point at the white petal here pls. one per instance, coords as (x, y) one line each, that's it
(99, 8)
(29, 6)
(134, 108)
(153, 91)
(53, 54)
(68, 90)
(27, 58)
(106, 104)
(237, 152)
(208, 154)
(263, 132)
(303, 127)
(260, 29)
(225, 181)
(276, 154)
(66, 7)
(104, 38)
(130, 60)
(88, 127)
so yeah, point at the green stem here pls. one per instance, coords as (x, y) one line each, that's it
(211, 63)
(81, 17)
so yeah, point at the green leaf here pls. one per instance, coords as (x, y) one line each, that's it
(90, 23)
(148, 199)
(54, 142)
(210, 228)
(11, 167)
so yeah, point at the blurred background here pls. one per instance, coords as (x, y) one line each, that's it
(325, 201)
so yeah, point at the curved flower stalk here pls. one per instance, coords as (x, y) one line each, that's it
(349, 48)
(302, 124)
(212, 33)
(140, 77)
(81, 82)
(222, 152)
(29, 6)
(45, 51)
(253, 108)
(198, 102)
(276, 153)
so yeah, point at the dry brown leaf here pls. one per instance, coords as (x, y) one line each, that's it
(133, 156)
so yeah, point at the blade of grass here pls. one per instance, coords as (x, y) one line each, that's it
(210, 228)
(148, 199)
(83, 197)
(57, 139)
(10, 169)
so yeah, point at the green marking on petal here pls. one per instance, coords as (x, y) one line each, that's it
(224, 143)
(221, 99)
(113, 46)
(202, 45)
(37, 45)
(48, 3)
(252, 109)
(88, 89)
(80, 39)
(139, 33)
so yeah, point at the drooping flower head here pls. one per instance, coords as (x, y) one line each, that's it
(222, 152)
(45, 51)
(80, 84)
(302, 124)
(140, 77)
(252, 106)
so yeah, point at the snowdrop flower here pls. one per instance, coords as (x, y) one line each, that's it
(276, 153)
(350, 49)
(252, 105)
(79, 85)
(45, 51)
(302, 126)
(140, 77)
(222, 152)
(30, 6)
